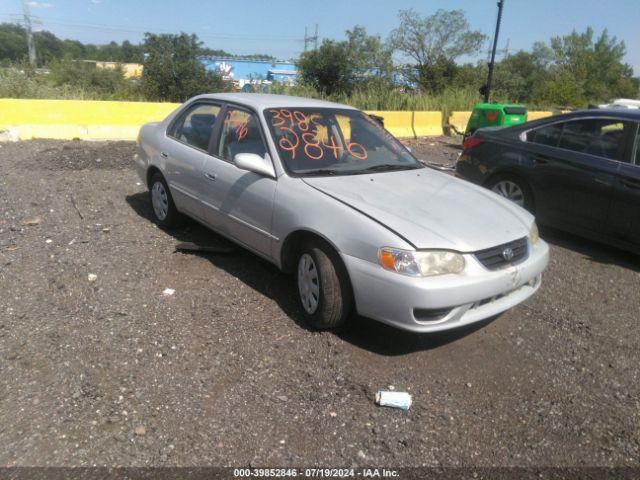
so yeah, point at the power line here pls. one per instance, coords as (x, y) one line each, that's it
(127, 29)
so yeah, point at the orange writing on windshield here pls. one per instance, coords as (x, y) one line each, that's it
(298, 131)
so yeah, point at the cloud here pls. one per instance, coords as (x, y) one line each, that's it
(95, 2)
(35, 4)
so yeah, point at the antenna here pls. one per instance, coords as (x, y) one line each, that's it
(27, 25)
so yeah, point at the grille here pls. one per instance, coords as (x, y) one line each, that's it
(493, 257)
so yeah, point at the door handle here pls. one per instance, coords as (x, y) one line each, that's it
(164, 154)
(211, 176)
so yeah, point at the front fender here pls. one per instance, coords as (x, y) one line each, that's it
(300, 207)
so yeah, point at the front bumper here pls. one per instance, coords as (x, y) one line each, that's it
(474, 295)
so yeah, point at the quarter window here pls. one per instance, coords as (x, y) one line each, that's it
(196, 125)
(240, 134)
(546, 135)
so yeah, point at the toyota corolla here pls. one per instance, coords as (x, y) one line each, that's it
(323, 191)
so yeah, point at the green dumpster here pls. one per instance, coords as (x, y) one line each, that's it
(495, 115)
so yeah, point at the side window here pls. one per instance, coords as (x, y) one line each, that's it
(240, 134)
(196, 125)
(546, 135)
(600, 137)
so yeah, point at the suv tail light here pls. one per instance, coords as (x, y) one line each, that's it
(471, 142)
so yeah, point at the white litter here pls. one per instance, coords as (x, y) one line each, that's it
(401, 400)
(48, 240)
(167, 292)
(92, 277)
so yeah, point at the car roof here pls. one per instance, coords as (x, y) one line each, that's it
(260, 101)
(622, 113)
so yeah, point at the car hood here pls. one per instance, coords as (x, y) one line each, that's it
(430, 209)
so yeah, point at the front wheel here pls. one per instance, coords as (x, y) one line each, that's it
(323, 287)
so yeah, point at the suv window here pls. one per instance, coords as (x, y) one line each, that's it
(595, 136)
(196, 125)
(240, 134)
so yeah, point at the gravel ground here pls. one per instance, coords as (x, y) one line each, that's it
(107, 370)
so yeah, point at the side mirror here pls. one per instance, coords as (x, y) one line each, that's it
(253, 162)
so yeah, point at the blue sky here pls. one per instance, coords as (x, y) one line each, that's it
(277, 26)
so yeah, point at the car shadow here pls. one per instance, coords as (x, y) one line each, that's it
(268, 280)
(592, 250)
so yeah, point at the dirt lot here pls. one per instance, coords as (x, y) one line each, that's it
(222, 372)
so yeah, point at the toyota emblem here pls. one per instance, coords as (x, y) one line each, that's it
(507, 254)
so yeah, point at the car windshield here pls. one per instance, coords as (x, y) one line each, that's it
(329, 141)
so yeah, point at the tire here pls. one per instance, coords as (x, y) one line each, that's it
(512, 188)
(327, 307)
(164, 210)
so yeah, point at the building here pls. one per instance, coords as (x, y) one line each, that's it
(252, 72)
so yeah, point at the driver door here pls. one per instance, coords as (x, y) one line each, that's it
(239, 203)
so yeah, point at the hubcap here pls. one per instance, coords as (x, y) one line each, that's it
(308, 283)
(159, 200)
(510, 190)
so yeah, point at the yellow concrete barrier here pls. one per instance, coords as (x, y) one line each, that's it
(87, 120)
(535, 115)
(427, 124)
(398, 123)
(459, 120)
(98, 120)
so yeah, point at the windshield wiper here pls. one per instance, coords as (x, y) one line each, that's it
(388, 168)
(320, 171)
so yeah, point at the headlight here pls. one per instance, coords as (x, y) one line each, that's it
(534, 235)
(420, 264)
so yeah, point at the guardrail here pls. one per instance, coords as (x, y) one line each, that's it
(24, 119)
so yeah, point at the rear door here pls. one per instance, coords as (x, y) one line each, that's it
(624, 219)
(185, 152)
(576, 167)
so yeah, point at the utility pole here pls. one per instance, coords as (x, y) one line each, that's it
(27, 25)
(486, 89)
(308, 39)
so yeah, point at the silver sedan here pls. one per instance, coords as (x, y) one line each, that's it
(325, 192)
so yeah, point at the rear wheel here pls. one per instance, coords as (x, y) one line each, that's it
(164, 210)
(512, 188)
(323, 287)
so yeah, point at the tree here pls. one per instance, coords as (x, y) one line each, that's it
(370, 56)
(327, 69)
(173, 70)
(433, 42)
(338, 67)
(584, 70)
(86, 76)
(13, 42)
